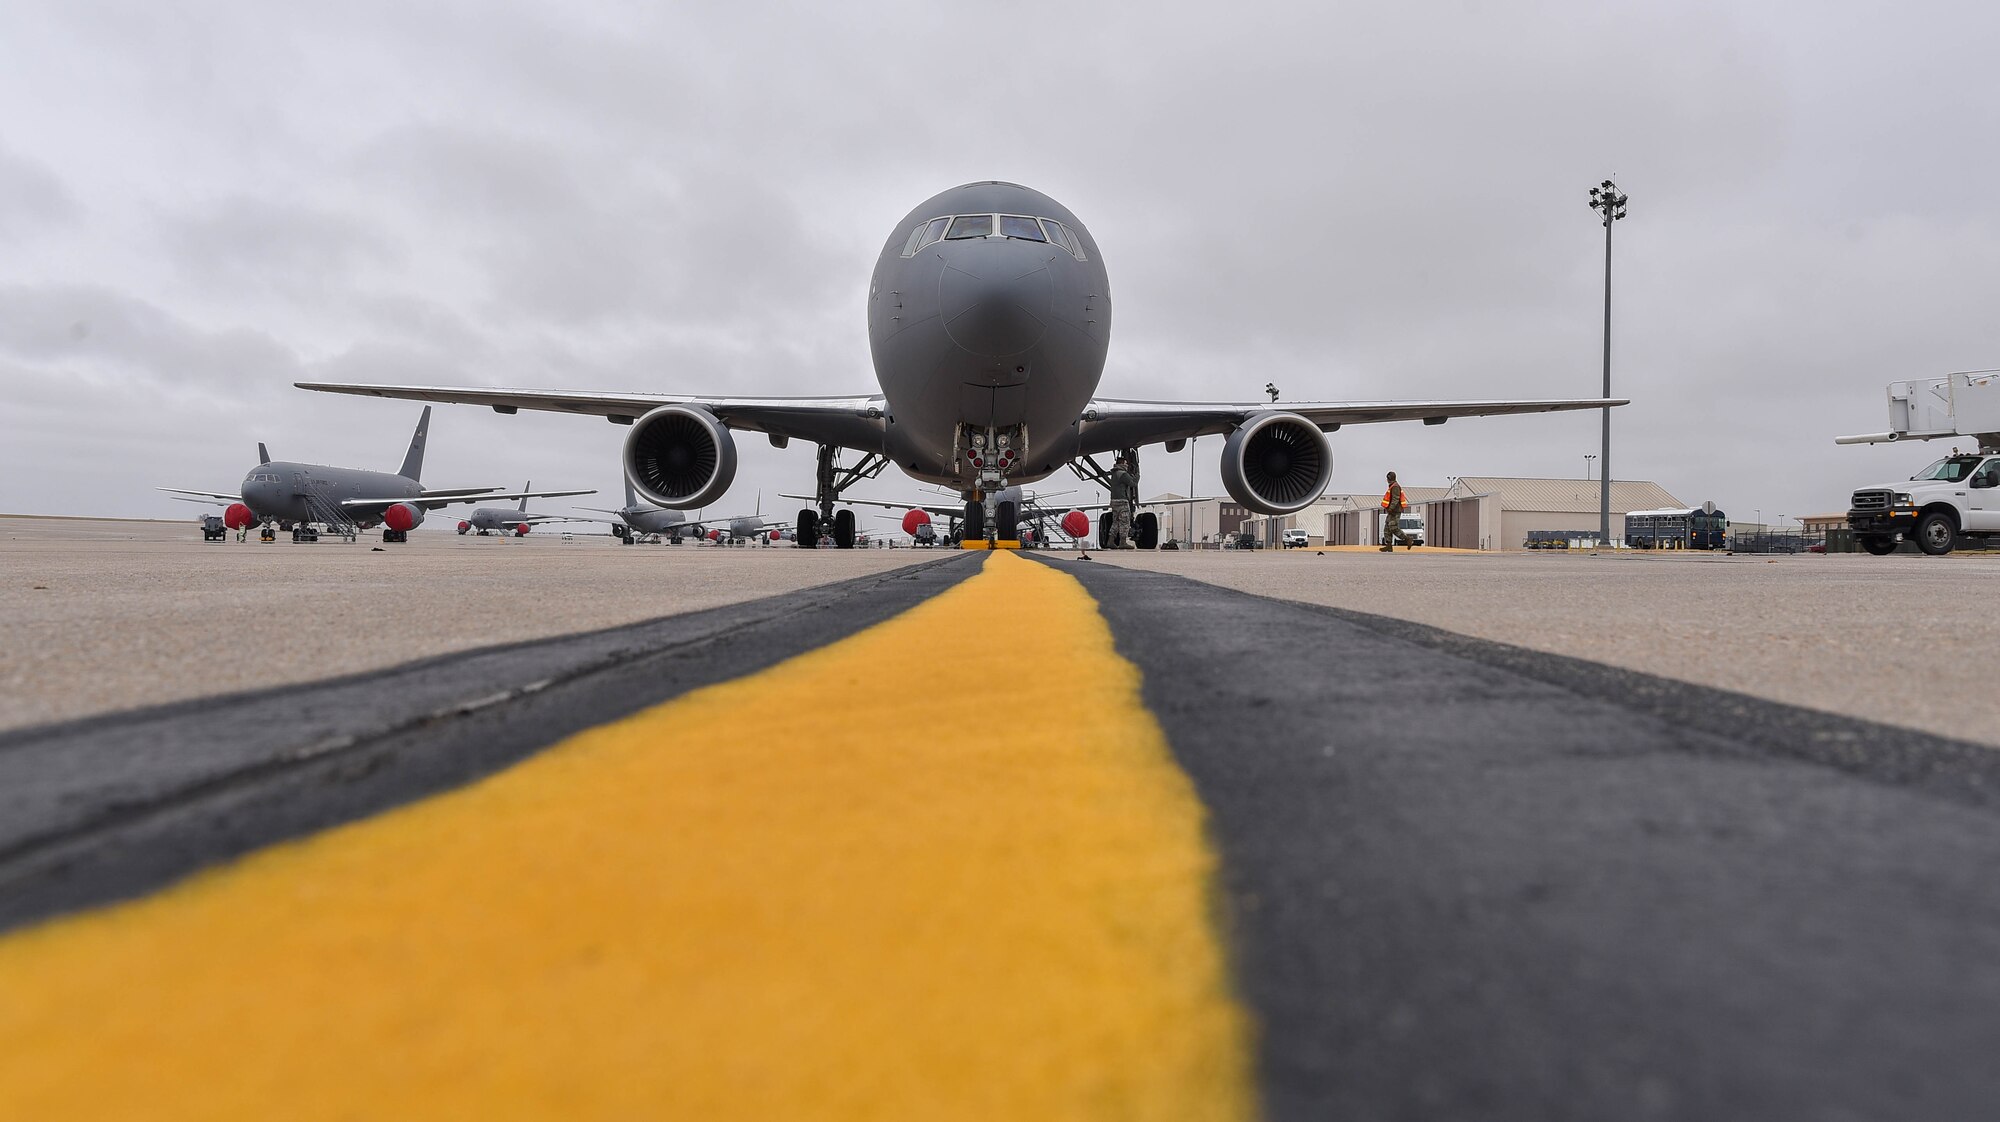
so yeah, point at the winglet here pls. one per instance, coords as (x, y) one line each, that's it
(413, 461)
(263, 456)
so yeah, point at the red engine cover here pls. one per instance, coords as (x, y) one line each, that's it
(399, 517)
(1076, 524)
(914, 519)
(521, 529)
(238, 517)
(715, 535)
(463, 525)
(776, 535)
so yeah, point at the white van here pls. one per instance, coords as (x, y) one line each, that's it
(1296, 537)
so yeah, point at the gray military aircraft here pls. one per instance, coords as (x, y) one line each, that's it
(500, 519)
(989, 318)
(297, 497)
(637, 521)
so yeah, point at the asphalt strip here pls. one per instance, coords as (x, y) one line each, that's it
(1466, 880)
(115, 806)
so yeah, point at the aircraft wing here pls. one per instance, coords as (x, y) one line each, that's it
(850, 422)
(437, 500)
(1142, 504)
(204, 496)
(945, 511)
(1110, 424)
(205, 502)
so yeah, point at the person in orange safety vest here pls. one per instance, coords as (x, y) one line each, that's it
(1393, 505)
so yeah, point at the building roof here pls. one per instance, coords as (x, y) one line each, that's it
(1571, 496)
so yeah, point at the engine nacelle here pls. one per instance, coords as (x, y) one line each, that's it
(680, 456)
(403, 516)
(237, 516)
(915, 519)
(521, 529)
(1276, 463)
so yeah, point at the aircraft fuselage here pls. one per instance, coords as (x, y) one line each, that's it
(278, 491)
(993, 330)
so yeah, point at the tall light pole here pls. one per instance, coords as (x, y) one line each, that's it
(1607, 201)
(1587, 457)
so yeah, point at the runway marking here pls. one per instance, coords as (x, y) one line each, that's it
(849, 885)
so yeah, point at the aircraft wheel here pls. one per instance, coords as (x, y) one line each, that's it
(1146, 530)
(1006, 521)
(843, 529)
(1104, 530)
(975, 523)
(1881, 545)
(808, 536)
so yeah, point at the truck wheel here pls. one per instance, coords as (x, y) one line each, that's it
(1935, 533)
(1881, 545)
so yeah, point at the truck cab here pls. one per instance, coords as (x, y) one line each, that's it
(1957, 496)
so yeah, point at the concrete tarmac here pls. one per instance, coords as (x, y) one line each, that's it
(108, 615)
(1609, 866)
(1904, 640)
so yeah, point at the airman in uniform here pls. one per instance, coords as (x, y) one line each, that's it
(1393, 505)
(1124, 496)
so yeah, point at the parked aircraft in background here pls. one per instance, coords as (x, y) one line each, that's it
(637, 521)
(298, 497)
(492, 519)
(989, 318)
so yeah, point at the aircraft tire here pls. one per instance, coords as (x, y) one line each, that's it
(975, 523)
(843, 529)
(1104, 530)
(1146, 530)
(1006, 521)
(808, 537)
(1936, 533)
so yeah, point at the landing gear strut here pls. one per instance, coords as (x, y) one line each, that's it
(830, 480)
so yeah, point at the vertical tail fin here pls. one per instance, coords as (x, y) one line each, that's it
(631, 499)
(263, 456)
(528, 486)
(413, 461)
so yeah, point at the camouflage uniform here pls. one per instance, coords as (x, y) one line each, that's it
(1392, 517)
(1124, 495)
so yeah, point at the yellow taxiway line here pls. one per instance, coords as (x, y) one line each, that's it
(945, 868)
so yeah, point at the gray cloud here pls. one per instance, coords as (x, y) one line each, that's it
(1371, 202)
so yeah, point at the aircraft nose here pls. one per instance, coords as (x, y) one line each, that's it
(995, 302)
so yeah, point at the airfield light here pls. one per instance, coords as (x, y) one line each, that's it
(1606, 199)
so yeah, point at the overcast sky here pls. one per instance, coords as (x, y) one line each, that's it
(201, 203)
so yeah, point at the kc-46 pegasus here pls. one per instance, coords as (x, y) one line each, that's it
(989, 318)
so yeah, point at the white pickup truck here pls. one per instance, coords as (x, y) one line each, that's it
(1958, 496)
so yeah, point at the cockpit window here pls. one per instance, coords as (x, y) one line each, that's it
(971, 226)
(916, 237)
(933, 233)
(1017, 226)
(1057, 234)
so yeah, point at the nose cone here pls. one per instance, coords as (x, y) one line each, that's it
(994, 300)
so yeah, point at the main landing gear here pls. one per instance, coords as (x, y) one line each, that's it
(831, 480)
(398, 535)
(1145, 525)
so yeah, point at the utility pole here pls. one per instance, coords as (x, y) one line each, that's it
(1587, 457)
(1606, 199)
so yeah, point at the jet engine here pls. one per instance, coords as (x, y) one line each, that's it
(914, 520)
(1076, 524)
(403, 516)
(1276, 463)
(680, 456)
(238, 517)
(521, 529)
